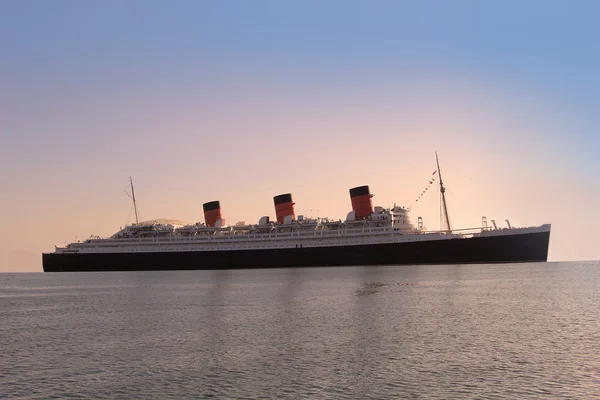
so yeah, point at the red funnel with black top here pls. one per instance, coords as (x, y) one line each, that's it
(212, 212)
(361, 202)
(284, 206)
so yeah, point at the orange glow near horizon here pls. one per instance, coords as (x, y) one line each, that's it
(285, 143)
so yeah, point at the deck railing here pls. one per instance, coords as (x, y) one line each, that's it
(223, 237)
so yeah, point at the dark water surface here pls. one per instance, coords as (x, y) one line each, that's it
(476, 331)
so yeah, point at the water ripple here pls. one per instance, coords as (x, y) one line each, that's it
(429, 332)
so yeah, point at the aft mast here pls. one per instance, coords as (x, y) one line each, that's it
(135, 205)
(443, 192)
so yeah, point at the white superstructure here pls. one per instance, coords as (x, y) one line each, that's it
(389, 225)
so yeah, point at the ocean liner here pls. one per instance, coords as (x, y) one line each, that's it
(368, 236)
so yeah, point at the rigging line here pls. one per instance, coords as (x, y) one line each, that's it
(464, 175)
(174, 188)
(441, 227)
(196, 189)
(328, 182)
(129, 215)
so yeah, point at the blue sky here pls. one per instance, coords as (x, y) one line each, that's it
(94, 91)
(542, 43)
(66, 50)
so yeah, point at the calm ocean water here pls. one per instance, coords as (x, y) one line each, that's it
(429, 332)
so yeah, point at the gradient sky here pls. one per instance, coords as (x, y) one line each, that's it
(239, 101)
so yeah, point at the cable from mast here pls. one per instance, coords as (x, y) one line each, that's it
(443, 193)
(134, 204)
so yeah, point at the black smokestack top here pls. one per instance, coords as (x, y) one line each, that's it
(211, 205)
(283, 198)
(359, 191)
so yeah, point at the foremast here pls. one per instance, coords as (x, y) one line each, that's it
(448, 228)
(134, 204)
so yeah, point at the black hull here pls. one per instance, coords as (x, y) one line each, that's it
(526, 247)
